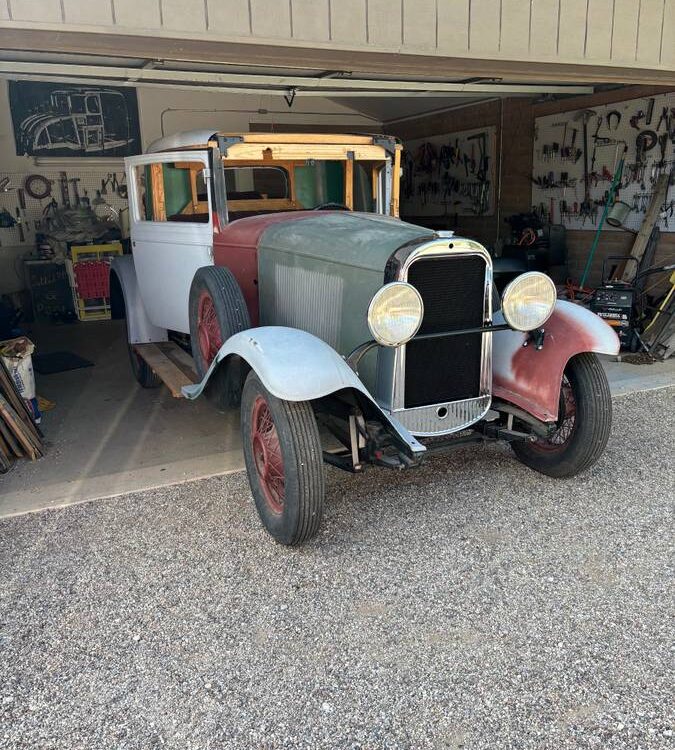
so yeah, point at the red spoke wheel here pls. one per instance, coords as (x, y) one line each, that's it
(583, 425)
(208, 328)
(269, 462)
(284, 461)
(217, 311)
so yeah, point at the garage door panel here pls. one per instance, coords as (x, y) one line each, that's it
(599, 29)
(624, 35)
(384, 23)
(184, 15)
(483, 26)
(91, 13)
(271, 18)
(572, 29)
(515, 20)
(311, 19)
(649, 31)
(544, 28)
(419, 23)
(135, 14)
(453, 26)
(48, 11)
(668, 41)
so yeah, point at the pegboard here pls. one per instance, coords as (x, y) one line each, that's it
(558, 162)
(89, 182)
(448, 175)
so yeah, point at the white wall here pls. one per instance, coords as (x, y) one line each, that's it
(240, 111)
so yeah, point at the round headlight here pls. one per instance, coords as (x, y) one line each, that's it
(528, 301)
(395, 313)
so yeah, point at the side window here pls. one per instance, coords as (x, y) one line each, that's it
(256, 183)
(172, 191)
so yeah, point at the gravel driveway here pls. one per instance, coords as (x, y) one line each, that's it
(469, 604)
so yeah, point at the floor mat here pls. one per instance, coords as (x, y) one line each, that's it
(48, 364)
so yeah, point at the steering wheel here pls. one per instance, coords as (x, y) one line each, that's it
(331, 206)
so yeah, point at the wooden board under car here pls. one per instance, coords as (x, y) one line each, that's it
(173, 366)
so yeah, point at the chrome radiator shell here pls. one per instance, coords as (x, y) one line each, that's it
(424, 421)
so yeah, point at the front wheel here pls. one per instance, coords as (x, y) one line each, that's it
(284, 461)
(583, 426)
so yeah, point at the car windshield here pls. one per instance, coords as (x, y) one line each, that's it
(301, 185)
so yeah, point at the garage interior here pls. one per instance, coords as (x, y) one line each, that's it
(522, 161)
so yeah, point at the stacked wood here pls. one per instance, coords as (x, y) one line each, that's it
(20, 437)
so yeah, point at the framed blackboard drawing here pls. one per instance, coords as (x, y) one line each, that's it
(53, 119)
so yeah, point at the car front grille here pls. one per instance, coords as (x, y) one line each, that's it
(447, 368)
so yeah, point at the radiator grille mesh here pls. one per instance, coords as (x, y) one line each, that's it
(448, 368)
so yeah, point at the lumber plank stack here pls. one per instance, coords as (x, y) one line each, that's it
(20, 437)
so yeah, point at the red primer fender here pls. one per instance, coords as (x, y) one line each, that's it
(531, 379)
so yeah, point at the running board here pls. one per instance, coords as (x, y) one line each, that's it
(170, 363)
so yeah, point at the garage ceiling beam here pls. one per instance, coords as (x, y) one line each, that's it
(303, 85)
(342, 93)
(164, 45)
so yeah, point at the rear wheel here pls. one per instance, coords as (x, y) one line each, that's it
(217, 311)
(284, 461)
(583, 425)
(140, 368)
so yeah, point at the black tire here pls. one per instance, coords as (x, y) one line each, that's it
(140, 368)
(231, 316)
(290, 509)
(573, 449)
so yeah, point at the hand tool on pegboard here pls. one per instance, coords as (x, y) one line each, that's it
(122, 189)
(19, 224)
(76, 192)
(613, 116)
(610, 200)
(651, 219)
(65, 192)
(645, 141)
(21, 195)
(595, 143)
(38, 186)
(585, 115)
(650, 111)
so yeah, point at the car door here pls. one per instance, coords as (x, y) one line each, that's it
(171, 226)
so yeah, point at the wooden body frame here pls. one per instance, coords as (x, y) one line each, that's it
(288, 151)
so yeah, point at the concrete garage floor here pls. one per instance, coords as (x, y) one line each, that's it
(108, 436)
(470, 604)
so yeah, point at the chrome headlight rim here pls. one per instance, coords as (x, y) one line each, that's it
(379, 298)
(512, 288)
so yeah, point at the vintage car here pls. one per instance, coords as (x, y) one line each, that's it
(346, 335)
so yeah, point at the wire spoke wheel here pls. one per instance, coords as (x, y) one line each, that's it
(284, 462)
(566, 419)
(208, 328)
(267, 455)
(583, 425)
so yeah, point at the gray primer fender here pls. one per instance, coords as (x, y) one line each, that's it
(296, 366)
(139, 327)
